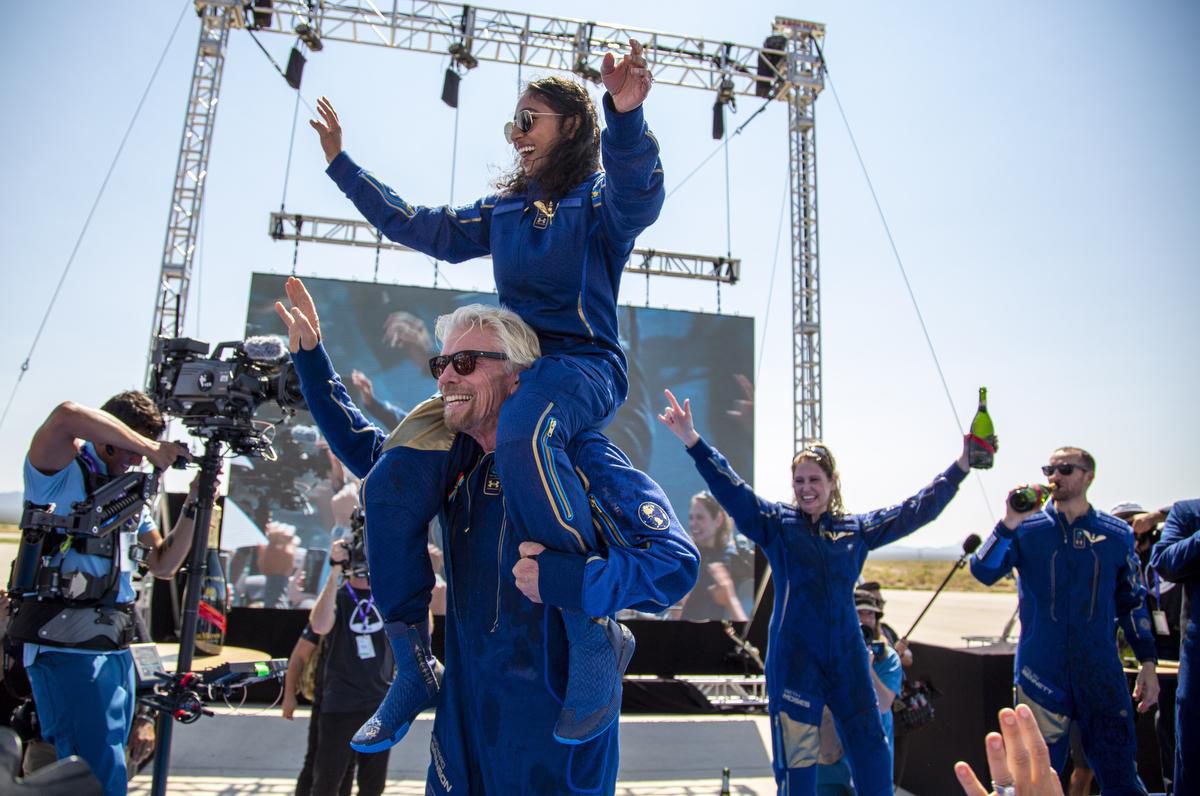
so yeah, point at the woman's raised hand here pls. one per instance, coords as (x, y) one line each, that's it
(629, 81)
(679, 419)
(328, 128)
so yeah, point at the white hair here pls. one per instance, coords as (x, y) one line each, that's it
(517, 339)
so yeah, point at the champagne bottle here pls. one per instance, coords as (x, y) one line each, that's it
(1028, 497)
(982, 443)
(213, 607)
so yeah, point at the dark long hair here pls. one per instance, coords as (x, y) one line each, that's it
(573, 159)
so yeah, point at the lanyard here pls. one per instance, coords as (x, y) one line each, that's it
(1152, 573)
(362, 608)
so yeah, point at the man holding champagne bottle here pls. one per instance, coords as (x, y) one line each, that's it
(1078, 576)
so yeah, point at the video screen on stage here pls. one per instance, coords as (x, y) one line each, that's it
(281, 516)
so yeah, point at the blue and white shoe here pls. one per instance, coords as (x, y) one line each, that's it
(416, 687)
(598, 654)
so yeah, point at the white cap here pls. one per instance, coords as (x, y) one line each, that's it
(1127, 507)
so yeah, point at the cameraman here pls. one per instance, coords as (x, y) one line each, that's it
(82, 671)
(356, 673)
(886, 672)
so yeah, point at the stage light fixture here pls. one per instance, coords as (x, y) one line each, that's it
(462, 61)
(724, 97)
(309, 35)
(586, 70)
(462, 56)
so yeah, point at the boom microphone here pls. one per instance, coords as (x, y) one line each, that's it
(266, 348)
(970, 545)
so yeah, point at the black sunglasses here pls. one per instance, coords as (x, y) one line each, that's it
(463, 361)
(523, 121)
(1063, 469)
(820, 451)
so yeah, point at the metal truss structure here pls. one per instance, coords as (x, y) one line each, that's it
(187, 199)
(789, 70)
(357, 232)
(723, 692)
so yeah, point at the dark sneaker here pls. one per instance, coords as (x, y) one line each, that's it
(416, 687)
(598, 655)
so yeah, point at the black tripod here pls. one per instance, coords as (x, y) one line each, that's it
(210, 466)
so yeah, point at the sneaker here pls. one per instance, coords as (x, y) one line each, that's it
(415, 688)
(598, 654)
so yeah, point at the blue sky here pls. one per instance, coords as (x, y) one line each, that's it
(1036, 163)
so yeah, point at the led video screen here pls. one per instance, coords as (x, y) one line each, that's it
(282, 515)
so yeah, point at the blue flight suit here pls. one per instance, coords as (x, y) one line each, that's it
(84, 698)
(1176, 556)
(506, 657)
(815, 650)
(1076, 582)
(561, 272)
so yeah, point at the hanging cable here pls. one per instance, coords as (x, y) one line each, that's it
(296, 246)
(282, 74)
(287, 169)
(713, 154)
(899, 264)
(87, 222)
(728, 220)
(771, 284)
(378, 248)
(453, 177)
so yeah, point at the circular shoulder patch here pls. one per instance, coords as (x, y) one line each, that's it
(653, 516)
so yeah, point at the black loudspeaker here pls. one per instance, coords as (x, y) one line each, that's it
(450, 88)
(769, 65)
(262, 13)
(295, 69)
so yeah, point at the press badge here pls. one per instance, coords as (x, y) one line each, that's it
(1160, 623)
(366, 647)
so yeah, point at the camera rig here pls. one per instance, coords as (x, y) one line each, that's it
(93, 519)
(182, 696)
(101, 512)
(216, 397)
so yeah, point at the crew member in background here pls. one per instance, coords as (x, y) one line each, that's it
(80, 666)
(1176, 557)
(1164, 601)
(1078, 576)
(355, 674)
(887, 673)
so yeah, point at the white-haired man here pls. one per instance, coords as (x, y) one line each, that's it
(506, 656)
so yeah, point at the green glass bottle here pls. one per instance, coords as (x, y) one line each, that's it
(1028, 497)
(982, 445)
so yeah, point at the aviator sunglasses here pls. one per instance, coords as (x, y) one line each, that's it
(463, 361)
(523, 121)
(1063, 469)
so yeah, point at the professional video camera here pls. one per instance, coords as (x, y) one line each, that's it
(216, 397)
(357, 544)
